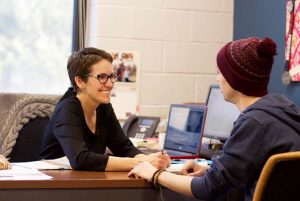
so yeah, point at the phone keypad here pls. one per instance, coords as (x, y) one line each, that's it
(140, 135)
(143, 129)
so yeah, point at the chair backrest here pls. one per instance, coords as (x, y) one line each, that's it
(28, 143)
(279, 179)
(24, 118)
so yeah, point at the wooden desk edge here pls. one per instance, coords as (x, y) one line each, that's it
(78, 179)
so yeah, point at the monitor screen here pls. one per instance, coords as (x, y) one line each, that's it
(220, 115)
(185, 126)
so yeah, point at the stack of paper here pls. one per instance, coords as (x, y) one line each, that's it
(30, 170)
(22, 173)
(55, 164)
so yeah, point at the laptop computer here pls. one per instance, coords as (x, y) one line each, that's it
(184, 131)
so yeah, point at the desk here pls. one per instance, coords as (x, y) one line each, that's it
(71, 185)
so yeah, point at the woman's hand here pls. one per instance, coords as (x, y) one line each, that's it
(193, 169)
(158, 160)
(143, 170)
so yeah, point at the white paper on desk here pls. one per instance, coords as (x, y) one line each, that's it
(22, 173)
(62, 162)
(53, 164)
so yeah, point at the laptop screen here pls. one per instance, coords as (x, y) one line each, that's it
(220, 115)
(185, 127)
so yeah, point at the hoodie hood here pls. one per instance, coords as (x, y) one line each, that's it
(279, 107)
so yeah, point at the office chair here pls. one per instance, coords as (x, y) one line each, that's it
(24, 118)
(279, 179)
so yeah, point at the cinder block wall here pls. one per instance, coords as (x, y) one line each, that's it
(177, 39)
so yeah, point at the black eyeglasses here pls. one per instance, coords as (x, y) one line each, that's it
(102, 78)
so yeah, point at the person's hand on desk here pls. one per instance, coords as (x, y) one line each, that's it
(4, 164)
(191, 168)
(158, 160)
(143, 170)
(178, 183)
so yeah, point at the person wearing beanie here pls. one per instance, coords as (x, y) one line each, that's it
(268, 124)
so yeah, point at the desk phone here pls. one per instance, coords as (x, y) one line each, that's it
(140, 126)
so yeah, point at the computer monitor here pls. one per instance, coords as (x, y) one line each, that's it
(220, 115)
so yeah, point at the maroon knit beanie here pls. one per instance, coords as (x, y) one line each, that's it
(246, 64)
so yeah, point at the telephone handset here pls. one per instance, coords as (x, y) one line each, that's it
(140, 126)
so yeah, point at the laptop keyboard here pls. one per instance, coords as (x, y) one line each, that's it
(177, 153)
(170, 152)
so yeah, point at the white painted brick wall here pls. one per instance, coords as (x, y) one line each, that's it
(201, 5)
(201, 90)
(113, 21)
(133, 3)
(219, 29)
(177, 39)
(190, 57)
(151, 51)
(164, 89)
(161, 24)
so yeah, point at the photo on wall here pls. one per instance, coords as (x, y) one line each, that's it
(125, 65)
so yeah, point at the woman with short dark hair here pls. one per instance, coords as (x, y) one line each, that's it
(84, 123)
